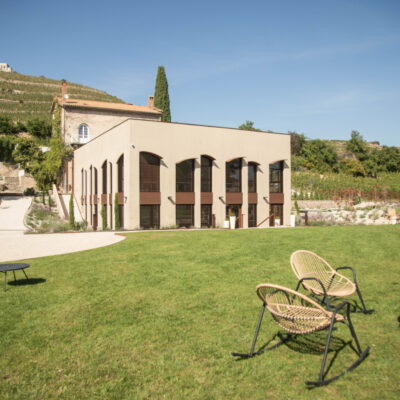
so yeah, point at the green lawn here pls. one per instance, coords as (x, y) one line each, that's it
(157, 316)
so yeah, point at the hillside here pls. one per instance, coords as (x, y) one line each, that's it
(340, 146)
(24, 96)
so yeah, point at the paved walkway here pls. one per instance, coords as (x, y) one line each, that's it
(12, 212)
(15, 245)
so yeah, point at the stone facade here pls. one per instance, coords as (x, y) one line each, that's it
(14, 180)
(4, 67)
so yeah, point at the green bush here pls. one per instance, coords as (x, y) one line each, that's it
(39, 127)
(29, 192)
(116, 212)
(6, 125)
(7, 144)
(103, 217)
(71, 212)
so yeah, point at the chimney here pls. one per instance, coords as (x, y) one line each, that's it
(64, 90)
(151, 101)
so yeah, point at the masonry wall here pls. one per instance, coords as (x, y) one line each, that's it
(98, 121)
(177, 142)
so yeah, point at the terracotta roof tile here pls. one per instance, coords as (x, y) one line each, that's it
(106, 105)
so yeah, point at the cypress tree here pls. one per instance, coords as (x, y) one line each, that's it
(71, 213)
(161, 96)
(116, 212)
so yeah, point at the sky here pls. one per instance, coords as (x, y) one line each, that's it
(318, 67)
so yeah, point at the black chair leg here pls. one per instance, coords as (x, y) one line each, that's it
(255, 336)
(362, 354)
(364, 310)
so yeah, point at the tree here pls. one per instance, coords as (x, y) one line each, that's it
(249, 126)
(56, 157)
(319, 155)
(296, 142)
(7, 144)
(27, 154)
(39, 127)
(357, 145)
(161, 96)
(352, 167)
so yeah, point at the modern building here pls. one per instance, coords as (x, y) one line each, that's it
(162, 174)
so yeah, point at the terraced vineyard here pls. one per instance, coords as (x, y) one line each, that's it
(25, 96)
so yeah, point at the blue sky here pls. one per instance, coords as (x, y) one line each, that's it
(322, 67)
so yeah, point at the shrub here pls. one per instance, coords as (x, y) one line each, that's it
(116, 212)
(352, 167)
(29, 191)
(39, 127)
(103, 217)
(71, 213)
(7, 145)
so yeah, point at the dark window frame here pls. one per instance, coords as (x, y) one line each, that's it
(276, 177)
(154, 216)
(185, 176)
(149, 165)
(233, 184)
(206, 174)
(252, 180)
(180, 221)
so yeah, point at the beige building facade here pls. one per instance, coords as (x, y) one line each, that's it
(161, 175)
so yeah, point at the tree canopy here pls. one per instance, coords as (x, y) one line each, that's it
(249, 126)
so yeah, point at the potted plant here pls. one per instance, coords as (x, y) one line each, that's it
(277, 221)
(232, 219)
(226, 223)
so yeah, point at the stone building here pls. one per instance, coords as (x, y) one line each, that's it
(4, 67)
(83, 120)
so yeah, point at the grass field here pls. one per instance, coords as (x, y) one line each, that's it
(157, 315)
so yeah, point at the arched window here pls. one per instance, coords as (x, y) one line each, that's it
(185, 176)
(276, 177)
(83, 133)
(252, 175)
(234, 176)
(149, 172)
(206, 174)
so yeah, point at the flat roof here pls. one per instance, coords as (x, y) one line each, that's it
(181, 123)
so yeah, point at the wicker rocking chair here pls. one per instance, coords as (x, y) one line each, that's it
(317, 276)
(298, 314)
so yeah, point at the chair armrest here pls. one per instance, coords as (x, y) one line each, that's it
(323, 289)
(352, 270)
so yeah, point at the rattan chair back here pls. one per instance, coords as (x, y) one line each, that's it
(293, 311)
(306, 264)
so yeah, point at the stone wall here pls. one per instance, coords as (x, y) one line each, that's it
(13, 179)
